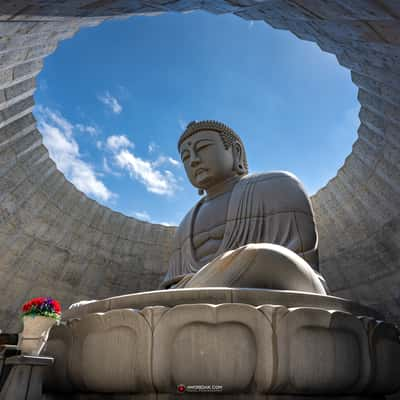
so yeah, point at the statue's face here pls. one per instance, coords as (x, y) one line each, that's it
(207, 162)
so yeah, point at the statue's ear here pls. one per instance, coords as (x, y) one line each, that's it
(238, 158)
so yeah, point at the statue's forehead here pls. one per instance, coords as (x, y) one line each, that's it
(200, 135)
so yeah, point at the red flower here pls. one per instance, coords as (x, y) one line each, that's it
(42, 305)
(56, 306)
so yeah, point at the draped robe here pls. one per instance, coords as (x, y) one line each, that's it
(263, 208)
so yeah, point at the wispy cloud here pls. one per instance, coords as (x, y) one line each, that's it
(58, 137)
(108, 169)
(111, 102)
(182, 124)
(155, 180)
(170, 223)
(161, 160)
(91, 130)
(143, 215)
(116, 142)
(152, 147)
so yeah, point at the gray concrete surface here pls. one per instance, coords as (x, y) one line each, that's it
(55, 241)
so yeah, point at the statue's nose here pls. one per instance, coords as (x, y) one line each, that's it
(194, 160)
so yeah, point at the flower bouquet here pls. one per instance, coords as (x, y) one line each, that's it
(38, 316)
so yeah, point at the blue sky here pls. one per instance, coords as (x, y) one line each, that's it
(113, 101)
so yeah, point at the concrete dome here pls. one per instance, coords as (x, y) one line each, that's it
(56, 241)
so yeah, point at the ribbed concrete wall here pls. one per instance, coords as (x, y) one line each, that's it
(56, 241)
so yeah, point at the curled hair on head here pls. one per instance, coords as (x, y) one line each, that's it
(228, 136)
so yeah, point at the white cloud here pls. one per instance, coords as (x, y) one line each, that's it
(91, 130)
(152, 147)
(173, 161)
(182, 124)
(56, 118)
(116, 142)
(156, 181)
(111, 102)
(143, 215)
(106, 167)
(161, 159)
(64, 150)
(168, 223)
(165, 160)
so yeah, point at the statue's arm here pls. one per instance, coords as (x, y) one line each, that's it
(177, 271)
(289, 219)
(173, 274)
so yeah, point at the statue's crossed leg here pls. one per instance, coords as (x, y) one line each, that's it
(261, 265)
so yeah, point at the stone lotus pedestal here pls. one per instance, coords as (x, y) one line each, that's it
(251, 343)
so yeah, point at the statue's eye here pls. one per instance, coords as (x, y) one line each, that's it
(185, 156)
(203, 145)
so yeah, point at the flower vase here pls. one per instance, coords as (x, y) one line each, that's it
(35, 333)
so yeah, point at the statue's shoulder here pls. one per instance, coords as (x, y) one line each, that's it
(279, 190)
(272, 178)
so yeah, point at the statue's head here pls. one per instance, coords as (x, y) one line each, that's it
(211, 153)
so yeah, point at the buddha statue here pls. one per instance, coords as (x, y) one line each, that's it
(248, 230)
(251, 241)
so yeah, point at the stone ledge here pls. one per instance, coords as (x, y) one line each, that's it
(217, 295)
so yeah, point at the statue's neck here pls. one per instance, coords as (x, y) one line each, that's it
(222, 187)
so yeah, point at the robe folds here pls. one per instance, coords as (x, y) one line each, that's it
(263, 208)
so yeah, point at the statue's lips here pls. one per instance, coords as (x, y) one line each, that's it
(199, 171)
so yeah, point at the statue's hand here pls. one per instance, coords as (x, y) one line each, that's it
(80, 303)
(181, 284)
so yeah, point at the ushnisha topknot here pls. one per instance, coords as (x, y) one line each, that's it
(207, 125)
(228, 135)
